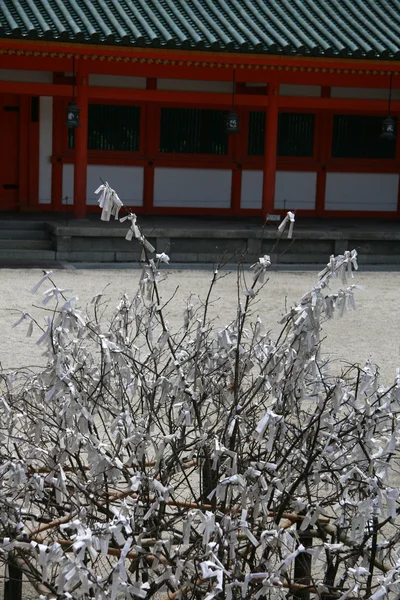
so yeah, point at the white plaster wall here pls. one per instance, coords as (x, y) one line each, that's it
(288, 89)
(193, 85)
(368, 93)
(251, 194)
(126, 180)
(298, 188)
(295, 190)
(118, 81)
(45, 148)
(68, 184)
(26, 76)
(192, 187)
(361, 191)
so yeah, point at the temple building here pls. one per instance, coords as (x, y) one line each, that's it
(204, 107)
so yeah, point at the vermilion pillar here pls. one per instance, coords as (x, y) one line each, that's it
(81, 153)
(270, 148)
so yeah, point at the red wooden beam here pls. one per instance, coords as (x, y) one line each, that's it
(34, 89)
(33, 163)
(81, 151)
(216, 58)
(353, 104)
(271, 137)
(35, 63)
(132, 94)
(24, 162)
(355, 76)
(198, 98)
(149, 138)
(175, 97)
(322, 77)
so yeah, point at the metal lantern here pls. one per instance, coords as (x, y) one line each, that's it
(73, 115)
(232, 122)
(388, 124)
(388, 129)
(232, 118)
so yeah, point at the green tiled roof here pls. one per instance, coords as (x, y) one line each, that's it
(346, 28)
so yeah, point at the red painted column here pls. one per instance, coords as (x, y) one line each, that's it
(149, 145)
(238, 141)
(81, 142)
(25, 124)
(398, 159)
(323, 139)
(270, 148)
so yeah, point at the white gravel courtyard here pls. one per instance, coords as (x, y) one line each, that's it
(372, 331)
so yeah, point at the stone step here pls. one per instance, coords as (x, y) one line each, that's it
(24, 234)
(10, 224)
(26, 244)
(25, 255)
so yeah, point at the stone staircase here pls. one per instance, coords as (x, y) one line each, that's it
(25, 241)
(30, 242)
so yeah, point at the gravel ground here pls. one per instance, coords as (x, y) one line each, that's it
(372, 331)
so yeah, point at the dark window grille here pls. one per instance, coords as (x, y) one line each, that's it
(295, 134)
(255, 146)
(193, 131)
(111, 127)
(357, 136)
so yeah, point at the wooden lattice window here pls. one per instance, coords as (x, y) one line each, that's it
(295, 134)
(111, 127)
(193, 131)
(255, 146)
(357, 136)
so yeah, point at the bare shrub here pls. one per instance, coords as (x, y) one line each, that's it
(200, 462)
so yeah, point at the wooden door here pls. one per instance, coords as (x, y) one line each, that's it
(9, 151)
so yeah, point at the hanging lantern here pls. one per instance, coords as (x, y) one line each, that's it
(232, 122)
(73, 115)
(232, 118)
(388, 129)
(73, 110)
(388, 123)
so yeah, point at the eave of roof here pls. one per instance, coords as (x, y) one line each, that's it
(326, 28)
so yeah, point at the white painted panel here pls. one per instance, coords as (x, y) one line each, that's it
(28, 76)
(295, 190)
(192, 187)
(361, 191)
(194, 85)
(126, 180)
(118, 81)
(251, 195)
(68, 184)
(288, 89)
(371, 93)
(45, 148)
